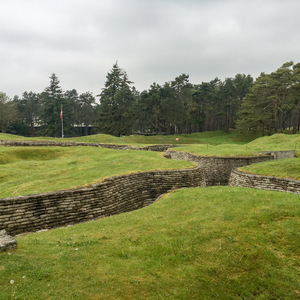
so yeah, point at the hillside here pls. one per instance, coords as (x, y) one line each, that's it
(201, 243)
(28, 170)
(211, 137)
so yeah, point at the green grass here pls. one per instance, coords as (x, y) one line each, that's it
(203, 243)
(270, 143)
(232, 150)
(13, 137)
(284, 168)
(211, 137)
(28, 170)
(275, 142)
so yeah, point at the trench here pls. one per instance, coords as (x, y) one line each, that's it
(117, 194)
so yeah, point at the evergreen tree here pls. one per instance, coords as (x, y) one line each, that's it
(151, 114)
(206, 97)
(116, 104)
(8, 112)
(70, 104)
(28, 113)
(184, 102)
(295, 98)
(86, 111)
(272, 101)
(231, 95)
(51, 100)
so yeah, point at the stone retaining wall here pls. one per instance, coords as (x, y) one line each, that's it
(217, 170)
(126, 192)
(281, 154)
(242, 179)
(13, 143)
(112, 196)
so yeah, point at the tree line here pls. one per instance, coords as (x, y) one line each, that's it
(269, 104)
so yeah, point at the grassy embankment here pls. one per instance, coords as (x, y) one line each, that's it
(28, 170)
(212, 138)
(268, 143)
(32, 170)
(203, 243)
(285, 168)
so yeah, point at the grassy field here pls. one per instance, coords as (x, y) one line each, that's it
(218, 150)
(214, 143)
(211, 137)
(28, 170)
(202, 243)
(285, 168)
(268, 143)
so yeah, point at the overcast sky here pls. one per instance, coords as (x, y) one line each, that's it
(153, 40)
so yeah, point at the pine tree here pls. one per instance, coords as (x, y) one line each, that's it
(8, 112)
(116, 104)
(272, 102)
(51, 100)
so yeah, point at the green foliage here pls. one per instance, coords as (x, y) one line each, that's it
(51, 100)
(203, 243)
(29, 170)
(86, 113)
(116, 104)
(217, 102)
(7, 112)
(28, 108)
(273, 102)
(269, 105)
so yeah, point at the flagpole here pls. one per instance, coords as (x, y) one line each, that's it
(62, 122)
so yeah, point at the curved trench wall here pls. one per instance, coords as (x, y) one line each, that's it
(217, 170)
(116, 194)
(112, 196)
(242, 179)
(13, 143)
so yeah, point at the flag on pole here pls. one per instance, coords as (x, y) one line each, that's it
(62, 122)
(61, 116)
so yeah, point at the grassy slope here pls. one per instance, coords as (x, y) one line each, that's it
(203, 243)
(28, 170)
(212, 137)
(275, 142)
(285, 168)
(85, 166)
(218, 150)
(197, 244)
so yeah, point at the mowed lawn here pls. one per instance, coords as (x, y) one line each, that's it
(201, 243)
(276, 142)
(29, 170)
(283, 168)
(210, 137)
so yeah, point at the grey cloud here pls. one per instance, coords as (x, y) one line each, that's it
(153, 40)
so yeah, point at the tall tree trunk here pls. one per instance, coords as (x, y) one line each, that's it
(297, 118)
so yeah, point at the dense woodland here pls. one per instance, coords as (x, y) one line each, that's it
(269, 104)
